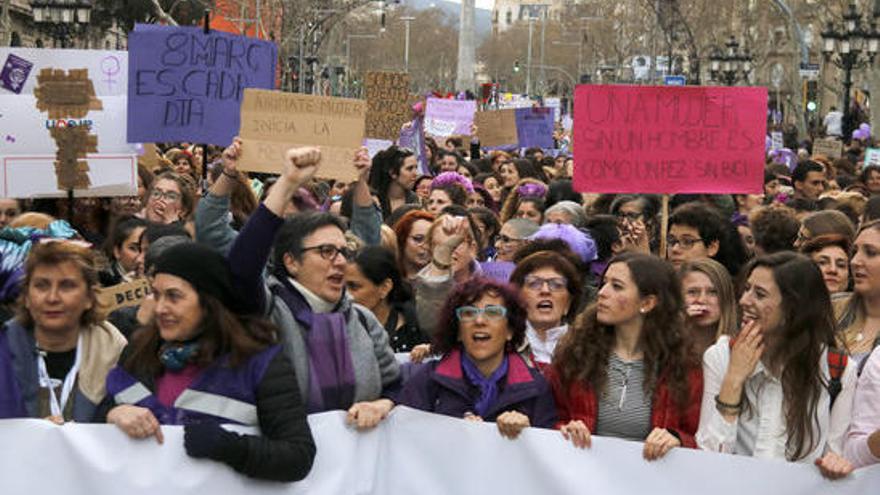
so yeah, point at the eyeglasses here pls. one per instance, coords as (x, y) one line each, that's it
(684, 242)
(536, 283)
(471, 313)
(329, 251)
(169, 196)
(506, 239)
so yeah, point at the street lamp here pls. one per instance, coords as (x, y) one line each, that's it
(62, 18)
(856, 48)
(407, 20)
(731, 65)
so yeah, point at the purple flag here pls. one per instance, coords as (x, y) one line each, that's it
(185, 85)
(15, 73)
(534, 126)
(413, 138)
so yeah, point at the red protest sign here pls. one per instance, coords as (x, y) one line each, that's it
(666, 139)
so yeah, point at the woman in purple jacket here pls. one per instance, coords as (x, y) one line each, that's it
(480, 376)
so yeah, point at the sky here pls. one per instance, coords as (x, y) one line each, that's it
(481, 4)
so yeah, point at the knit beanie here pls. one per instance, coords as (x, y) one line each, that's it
(204, 268)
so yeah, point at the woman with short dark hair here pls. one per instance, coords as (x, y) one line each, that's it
(480, 376)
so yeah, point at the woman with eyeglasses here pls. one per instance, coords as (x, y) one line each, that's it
(513, 235)
(551, 288)
(624, 369)
(412, 236)
(339, 351)
(480, 376)
(709, 302)
(171, 198)
(698, 231)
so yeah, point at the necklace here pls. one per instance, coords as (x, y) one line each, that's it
(624, 373)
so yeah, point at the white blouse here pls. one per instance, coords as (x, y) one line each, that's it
(761, 432)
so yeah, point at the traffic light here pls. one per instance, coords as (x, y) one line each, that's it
(516, 66)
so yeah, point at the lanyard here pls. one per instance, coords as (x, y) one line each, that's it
(56, 407)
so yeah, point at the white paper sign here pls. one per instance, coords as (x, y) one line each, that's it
(27, 150)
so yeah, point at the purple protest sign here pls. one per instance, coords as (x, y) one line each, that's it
(534, 126)
(411, 137)
(449, 117)
(185, 85)
(15, 73)
(498, 270)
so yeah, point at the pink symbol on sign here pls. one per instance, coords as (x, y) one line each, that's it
(110, 67)
(10, 139)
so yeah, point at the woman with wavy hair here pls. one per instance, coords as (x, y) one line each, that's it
(770, 392)
(624, 368)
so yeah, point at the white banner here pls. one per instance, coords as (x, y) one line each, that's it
(410, 453)
(28, 151)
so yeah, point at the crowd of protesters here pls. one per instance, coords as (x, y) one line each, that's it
(465, 282)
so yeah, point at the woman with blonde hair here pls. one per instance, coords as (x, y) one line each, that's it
(56, 354)
(858, 313)
(710, 302)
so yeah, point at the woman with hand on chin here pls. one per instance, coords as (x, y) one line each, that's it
(170, 199)
(624, 368)
(55, 355)
(768, 392)
(339, 350)
(200, 365)
(710, 303)
(480, 376)
(551, 288)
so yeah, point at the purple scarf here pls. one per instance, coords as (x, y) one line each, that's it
(331, 373)
(488, 386)
(11, 402)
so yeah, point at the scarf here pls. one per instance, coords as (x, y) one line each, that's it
(488, 385)
(331, 373)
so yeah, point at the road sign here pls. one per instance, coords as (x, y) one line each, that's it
(674, 80)
(809, 71)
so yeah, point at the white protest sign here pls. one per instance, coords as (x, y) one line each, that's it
(872, 156)
(409, 452)
(41, 103)
(776, 142)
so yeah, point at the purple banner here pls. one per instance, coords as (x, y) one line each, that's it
(412, 137)
(185, 85)
(534, 126)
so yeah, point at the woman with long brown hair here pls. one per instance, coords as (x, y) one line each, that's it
(624, 368)
(770, 392)
(200, 364)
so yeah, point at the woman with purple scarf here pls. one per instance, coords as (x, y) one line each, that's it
(339, 350)
(481, 377)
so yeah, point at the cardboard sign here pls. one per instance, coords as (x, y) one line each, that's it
(187, 85)
(872, 156)
(667, 139)
(273, 121)
(534, 127)
(62, 115)
(124, 295)
(829, 147)
(387, 103)
(444, 118)
(497, 128)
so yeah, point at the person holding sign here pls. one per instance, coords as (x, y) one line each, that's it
(201, 364)
(340, 352)
(480, 376)
(56, 354)
(779, 390)
(625, 368)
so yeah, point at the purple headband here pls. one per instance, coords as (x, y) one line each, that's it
(580, 242)
(531, 190)
(452, 178)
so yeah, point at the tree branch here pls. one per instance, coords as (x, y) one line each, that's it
(162, 15)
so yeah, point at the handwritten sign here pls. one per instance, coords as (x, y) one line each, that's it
(186, 85)
(776, 142)
(272, 122)
(387, 103)
(123, 295)
(444, 118)
(829, 148)
(667, 139)
(496, 128)
(534, 126)
(872, 156)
